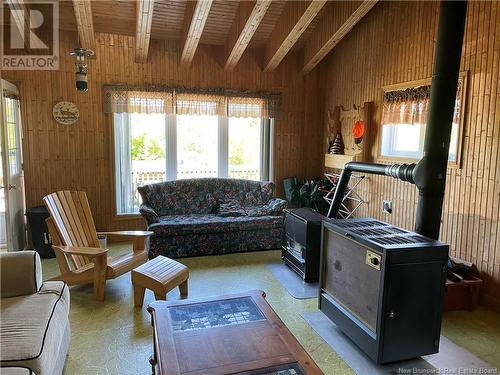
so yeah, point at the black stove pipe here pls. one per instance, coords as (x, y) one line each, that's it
(430, 173)
(402, 171)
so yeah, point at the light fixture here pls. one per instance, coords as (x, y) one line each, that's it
(81, 67)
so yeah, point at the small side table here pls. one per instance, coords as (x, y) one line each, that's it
(160, 275)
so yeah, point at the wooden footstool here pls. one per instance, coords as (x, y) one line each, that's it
(160, 275)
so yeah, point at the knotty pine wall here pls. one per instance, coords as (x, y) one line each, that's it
(395, 43)
(81, 156)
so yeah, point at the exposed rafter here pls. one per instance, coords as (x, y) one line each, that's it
(296, 16)
(85, 23)
(246, 22)
(337, 21)
(143, 29)
(194, 22)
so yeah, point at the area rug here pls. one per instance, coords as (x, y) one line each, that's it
(292, 282)
(451, 359)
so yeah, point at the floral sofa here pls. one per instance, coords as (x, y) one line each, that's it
(211, 216)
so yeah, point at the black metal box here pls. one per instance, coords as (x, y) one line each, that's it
(383, 286)
(301, 250)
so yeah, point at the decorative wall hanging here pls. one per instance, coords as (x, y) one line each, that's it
(358, 130)
(337, 147)
(354, 124)
(65, 113)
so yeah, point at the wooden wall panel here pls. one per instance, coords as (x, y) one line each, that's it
(80, 156)
(395, 43)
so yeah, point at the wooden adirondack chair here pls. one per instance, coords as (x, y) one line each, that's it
(74, 239)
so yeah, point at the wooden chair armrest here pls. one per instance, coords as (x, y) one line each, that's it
(128, 233)
(76, 250)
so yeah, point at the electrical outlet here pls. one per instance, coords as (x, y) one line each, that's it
(387, 207)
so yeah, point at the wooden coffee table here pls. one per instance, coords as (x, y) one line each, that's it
(233, 334)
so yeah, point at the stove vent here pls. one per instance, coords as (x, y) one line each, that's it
(381, 233)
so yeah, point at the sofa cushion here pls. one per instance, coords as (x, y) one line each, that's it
(178, 198)
(193, 224)
(231, 208)
(33, 327)
(253, 198)
(20, 273)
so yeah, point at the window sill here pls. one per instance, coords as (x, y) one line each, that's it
(124, 217)
(384, 158)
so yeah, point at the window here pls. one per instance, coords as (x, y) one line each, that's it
(245, 151)
(13, 141)
(156, 147)
(404, 121)
(197, 146)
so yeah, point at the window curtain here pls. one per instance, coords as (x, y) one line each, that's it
(199, 104)
(265, 106)
(189, 101)
(126, 99)
(411, 106)
(408, 106)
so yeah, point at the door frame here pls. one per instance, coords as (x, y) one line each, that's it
(7, 86)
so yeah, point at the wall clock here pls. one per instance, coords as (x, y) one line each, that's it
(65, 113)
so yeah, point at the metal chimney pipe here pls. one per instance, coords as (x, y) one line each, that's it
(430, 173)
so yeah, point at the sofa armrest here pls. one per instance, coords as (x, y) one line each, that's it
(276, 206)
(21, 273)
(149, 214)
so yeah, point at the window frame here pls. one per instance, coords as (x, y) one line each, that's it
(457, 163)
(266, 161)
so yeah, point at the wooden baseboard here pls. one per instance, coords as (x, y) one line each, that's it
(489, 301)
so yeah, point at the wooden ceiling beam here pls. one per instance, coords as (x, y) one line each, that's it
(335, 24)
(194, 22)
(246, 22)
(85, 23)
(294, 19)
(143, 29)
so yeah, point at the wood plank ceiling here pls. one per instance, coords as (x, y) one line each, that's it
(272, 27)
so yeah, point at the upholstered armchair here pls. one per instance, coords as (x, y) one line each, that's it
(34, 317)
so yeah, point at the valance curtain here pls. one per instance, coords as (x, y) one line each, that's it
(199, 104)
(187, 101)
(411, 106)
(408, 106)
(127, 99)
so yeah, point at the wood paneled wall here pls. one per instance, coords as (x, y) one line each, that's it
(395, 43)
(81, 156)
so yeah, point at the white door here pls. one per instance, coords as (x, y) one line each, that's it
(12, 172)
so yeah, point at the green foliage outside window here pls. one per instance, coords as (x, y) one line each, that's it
(145, 148)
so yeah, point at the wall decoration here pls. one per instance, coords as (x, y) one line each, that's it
(337, 147)
(355, 126)
(65, 113)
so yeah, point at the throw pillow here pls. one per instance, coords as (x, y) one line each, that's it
(258, 211)
(253, 198)
(230, 208)
(209, 204)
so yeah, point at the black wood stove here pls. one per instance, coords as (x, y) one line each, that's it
(383, 286)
